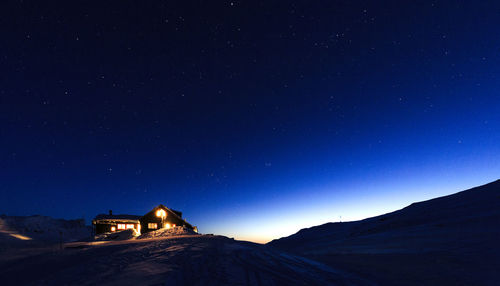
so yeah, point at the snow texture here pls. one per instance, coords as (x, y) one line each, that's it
(34, 231)
(451, 240)
(167, 232)
(118, 235)
(169, 260)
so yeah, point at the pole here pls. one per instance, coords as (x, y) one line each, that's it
(60, 240)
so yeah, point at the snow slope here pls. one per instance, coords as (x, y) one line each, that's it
(20, 231)
(448, 240)
(174, 260)
(166, 232)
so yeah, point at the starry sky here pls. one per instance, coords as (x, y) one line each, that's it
(254, 118)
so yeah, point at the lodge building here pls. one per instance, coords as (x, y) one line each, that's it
(158, 217)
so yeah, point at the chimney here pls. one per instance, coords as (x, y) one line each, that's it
(110, 212)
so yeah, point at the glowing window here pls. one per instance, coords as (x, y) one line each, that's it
(167, 225)
(152, 225)
(161, 213)
(121, 226)
(113, 228)
(130, 226)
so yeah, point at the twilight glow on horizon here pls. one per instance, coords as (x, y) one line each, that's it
(253, 119)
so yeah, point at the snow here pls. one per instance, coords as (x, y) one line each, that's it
(432, 242)
(166, 232)
(118, 235)
(37, 231)
(175, 256)
(169, 260)
(451, 240)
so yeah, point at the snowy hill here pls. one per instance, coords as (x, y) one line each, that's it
(173, 260)
(451, 239)
(35, 230)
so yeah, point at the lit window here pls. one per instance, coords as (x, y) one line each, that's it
(121, 226)
(161, 213)
(130, 226)
(152, 225)
(167, 225)
(113, 228)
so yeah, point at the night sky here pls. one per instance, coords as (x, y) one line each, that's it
(255, 119)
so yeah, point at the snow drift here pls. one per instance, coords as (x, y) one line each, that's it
(118, 235)
(166, 232)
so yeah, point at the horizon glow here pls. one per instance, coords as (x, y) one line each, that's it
(253, 120)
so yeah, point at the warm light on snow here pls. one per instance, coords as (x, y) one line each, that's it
(19, 236)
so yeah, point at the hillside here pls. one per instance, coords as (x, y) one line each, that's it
(451, 239)
(36, 230)
(173, 260)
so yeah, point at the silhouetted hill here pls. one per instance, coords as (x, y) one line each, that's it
(451, 239)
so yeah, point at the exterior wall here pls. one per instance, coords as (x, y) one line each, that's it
(100, 228)
(171, 218)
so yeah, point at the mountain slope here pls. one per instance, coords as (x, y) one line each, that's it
(36, 230)
(429, 241)
(181, 260)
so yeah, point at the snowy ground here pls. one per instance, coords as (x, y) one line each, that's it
(119, 235)
(44, 228)
(166, 232)
(21, 233)
(452, 240)
(172, 260)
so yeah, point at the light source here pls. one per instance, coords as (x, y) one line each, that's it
(161, 213)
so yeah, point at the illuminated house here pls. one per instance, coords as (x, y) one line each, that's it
(109, 223)
(157, 218)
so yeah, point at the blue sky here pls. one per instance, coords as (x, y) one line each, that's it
(254, 119)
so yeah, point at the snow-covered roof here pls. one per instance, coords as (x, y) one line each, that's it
(119, 217)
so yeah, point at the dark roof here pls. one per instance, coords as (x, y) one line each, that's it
(175, 213)
(179, 213)
(120, 216)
